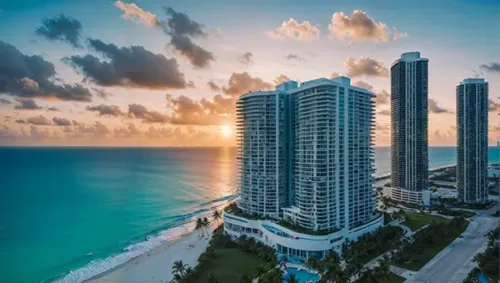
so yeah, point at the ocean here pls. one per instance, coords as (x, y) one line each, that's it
(86, 210)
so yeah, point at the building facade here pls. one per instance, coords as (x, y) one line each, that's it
(472, 140)
(409, 123)
(261, 130)
(306, 156)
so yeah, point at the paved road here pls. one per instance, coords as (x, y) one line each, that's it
(452, 264)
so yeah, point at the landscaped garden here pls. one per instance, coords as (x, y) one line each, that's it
(415, 220)
(371, 245)
(428, 242)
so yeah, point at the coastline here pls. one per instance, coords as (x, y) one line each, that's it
(156, 265)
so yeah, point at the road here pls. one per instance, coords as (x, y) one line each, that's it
(453, 263)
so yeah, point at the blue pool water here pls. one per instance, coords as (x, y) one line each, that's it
(482, 278)
(302, 275)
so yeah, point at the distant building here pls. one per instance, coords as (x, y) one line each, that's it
(409, 127)
(472, 140)
(306, 156)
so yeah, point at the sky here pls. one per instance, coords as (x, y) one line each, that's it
(168, 73)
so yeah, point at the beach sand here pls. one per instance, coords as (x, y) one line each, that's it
(156, 266)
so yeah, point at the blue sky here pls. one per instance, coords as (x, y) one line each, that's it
(456, 36)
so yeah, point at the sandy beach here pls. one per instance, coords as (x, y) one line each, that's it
(156, 266)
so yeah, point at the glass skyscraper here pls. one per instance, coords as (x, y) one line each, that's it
(472, 140)
(409, 127)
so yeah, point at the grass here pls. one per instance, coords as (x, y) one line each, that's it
(419, 260)
(415, 220)
(393, 278)
(230, 265)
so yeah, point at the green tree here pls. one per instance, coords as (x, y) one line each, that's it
(217, 216)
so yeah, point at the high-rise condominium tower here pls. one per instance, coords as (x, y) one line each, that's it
(472, 140)
(306, 153)
(409, 119)
(305, 156)
(262, 152)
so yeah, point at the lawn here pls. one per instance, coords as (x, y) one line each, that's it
(229, 265)
(415, 220)
(428, 252)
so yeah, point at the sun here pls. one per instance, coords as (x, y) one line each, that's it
(225, 130)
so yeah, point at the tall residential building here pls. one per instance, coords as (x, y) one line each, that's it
(332, 154)
(472, 140)
(306, 156)
(409, 126)
(262, 152)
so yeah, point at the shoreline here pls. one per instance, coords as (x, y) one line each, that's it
(155, 266)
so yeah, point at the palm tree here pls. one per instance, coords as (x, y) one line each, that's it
(217, 216)
(291, 278)
(179, 268)
(213, 279)
(206, 224)
(199, 227)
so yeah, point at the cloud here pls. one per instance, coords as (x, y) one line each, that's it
(382, 127)
(132, 66)
(334, 75)
(132, 12)
(304, 31)
(61, 121)
(98, 129)
(5, 101)
(360, 28)
(435, 108)
(213, 86)
(187, 111)
(384, 112)
(382, 96)
(246, 58)
(181, 30)
(492, 67)
(130, 131)
(32, 76)
(240, 83)
(39, 120)
(178, 26)
(27, 104)
(109, 110)
(365, 66)
(101, 93)
(493, 106)
(281, 79)
(296, 57)
(140, 112)
(61, 28)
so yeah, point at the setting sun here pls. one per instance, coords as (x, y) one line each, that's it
(225, 130)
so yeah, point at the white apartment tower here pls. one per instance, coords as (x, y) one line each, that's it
(472, 140)
(261, 135)
(306, 153)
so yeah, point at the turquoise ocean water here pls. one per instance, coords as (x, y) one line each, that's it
(86, 210)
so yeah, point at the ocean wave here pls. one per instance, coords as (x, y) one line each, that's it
(153, 239)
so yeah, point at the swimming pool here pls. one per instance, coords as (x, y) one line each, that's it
(483, 278)
(302, 275)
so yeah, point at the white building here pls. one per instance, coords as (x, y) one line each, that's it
(306, 156)
(409, 126)
(472, 140)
